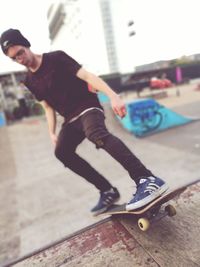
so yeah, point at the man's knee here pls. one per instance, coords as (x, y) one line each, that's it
(63, 155)
(97, 136)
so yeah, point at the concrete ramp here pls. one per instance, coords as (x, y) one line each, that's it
(106, 243)
(147, 116)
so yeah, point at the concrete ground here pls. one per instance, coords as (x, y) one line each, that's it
(42, 202)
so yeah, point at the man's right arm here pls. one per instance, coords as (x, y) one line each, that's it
(51, 120)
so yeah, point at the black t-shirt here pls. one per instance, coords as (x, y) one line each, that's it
(56, 82)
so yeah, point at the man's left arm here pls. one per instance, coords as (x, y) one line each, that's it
(98, 84)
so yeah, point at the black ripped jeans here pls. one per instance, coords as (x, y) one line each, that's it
(91, 125)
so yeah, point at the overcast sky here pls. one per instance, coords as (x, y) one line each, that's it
(165, 29)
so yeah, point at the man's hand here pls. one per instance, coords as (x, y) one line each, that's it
(118, 106)
(54, 138)
(97, 84)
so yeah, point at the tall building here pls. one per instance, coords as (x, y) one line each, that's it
(94, 32)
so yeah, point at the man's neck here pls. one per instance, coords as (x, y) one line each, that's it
(36, 63)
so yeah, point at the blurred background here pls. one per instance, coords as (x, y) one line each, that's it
(126, 42)
(142, 49)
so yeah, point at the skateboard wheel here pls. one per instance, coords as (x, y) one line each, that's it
(143, 224)
(171, 211)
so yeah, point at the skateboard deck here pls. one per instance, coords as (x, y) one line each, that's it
(152, 211)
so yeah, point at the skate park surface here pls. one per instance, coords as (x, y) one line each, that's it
(45, 208)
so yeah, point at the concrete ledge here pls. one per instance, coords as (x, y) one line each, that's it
(106, 243)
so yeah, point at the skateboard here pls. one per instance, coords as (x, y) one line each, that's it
(155, 210)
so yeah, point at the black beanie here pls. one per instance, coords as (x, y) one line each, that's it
(12, 37)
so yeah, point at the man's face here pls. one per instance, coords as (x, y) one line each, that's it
(20, 54)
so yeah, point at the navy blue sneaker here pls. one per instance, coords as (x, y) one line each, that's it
(106, 200)
(148, 189)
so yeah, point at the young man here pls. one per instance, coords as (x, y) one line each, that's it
(61, 84)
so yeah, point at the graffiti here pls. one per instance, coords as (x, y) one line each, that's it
(146, 118)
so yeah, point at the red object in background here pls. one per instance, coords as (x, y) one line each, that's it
(90, 88)
(160, 83)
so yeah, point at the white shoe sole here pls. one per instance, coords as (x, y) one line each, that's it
(146, 200)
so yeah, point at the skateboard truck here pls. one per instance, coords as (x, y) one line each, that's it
(155, 214)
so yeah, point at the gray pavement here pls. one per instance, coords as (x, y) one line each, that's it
(41, 201)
